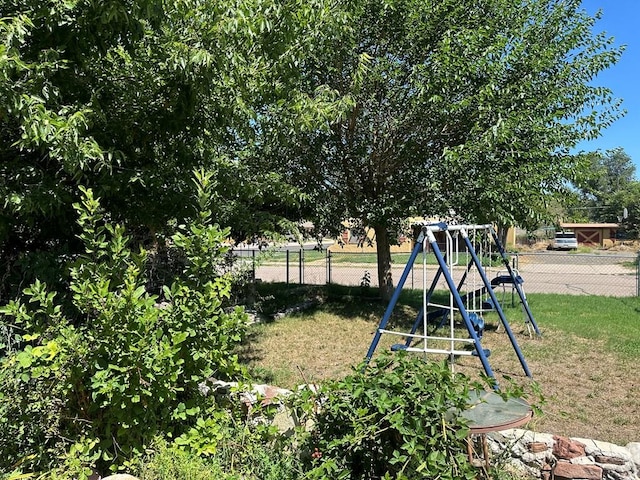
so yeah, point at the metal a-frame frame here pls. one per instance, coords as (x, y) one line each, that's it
(427, 239)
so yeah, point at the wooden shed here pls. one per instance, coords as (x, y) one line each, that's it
(601, 234)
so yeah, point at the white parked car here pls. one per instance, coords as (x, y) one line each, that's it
(564, 241)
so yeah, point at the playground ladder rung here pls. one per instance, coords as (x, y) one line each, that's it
(438, 350)
(444, 307)
(426, 337)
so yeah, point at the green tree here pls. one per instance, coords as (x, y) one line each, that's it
(609, 189)
(128, 97)
(461, 107)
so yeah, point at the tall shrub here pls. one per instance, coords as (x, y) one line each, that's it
(97, 390)
(397, 418)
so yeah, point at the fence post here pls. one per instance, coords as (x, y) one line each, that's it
(253, 266)
(301, 266)
(287, 265)
(638, 275)
(328, 266)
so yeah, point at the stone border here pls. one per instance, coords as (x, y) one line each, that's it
(549, 456)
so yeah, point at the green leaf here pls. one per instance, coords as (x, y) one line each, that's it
(25, 359)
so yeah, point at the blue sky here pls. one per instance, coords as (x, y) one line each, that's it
(621, 20)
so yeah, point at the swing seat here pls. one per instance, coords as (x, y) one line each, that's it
(506, 280)
(477, 322)
(398, 346)
(488, 304)
(486, 352)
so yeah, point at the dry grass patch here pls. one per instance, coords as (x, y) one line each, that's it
(309, 348)
(590, 392)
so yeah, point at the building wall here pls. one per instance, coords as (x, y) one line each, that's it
(600, 234)
(603, 237)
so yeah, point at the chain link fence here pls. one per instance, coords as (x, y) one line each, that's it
(590, 274)
(608, 274)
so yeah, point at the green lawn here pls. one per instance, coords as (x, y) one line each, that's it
(294, 256)
(614, 320)
(339, 257)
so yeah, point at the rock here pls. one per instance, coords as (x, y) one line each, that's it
(267, 394)
(271, 394)
(634, 451)
(570, 471)
(609, 460)
(249, 398)
(596, 447)
(545, 472)
(565, 448)
(285, 421)
(516, 440)
(306, 305)
(533, 452)
(537, 447)
(537, 459)
(254, 317)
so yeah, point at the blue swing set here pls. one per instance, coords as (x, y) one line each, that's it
(464, 304)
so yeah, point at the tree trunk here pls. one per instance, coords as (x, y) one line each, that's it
(502, 230)
(383, 248)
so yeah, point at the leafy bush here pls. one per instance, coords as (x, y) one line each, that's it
(253, 460)
(393, 419)
(229, 444)
(171, 463)
(96, 391)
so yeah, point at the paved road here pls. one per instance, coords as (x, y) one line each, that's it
(610, 275)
